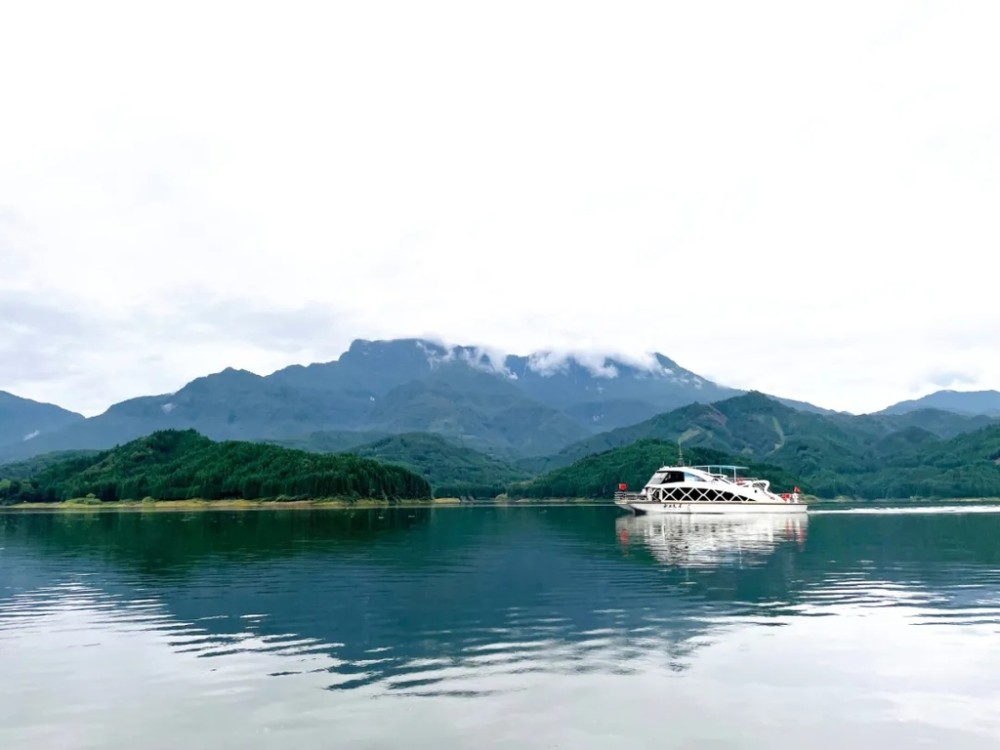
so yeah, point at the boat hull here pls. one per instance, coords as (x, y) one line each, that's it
(716, 508)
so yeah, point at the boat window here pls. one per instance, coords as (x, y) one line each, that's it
(673, 477)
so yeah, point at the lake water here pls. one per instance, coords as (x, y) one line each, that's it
(527, 627)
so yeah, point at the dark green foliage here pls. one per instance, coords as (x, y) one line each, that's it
(833, 454)
(452, 470)
(179, 465)
(330, 441)
(752, 426)
(598, 476)
(27, 469)
(758, 426)
(965, 466)
(873, 456)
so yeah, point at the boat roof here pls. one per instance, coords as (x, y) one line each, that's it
(698, 469)
(678, 467)
(706, 469)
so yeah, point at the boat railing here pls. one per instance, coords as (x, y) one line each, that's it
(623, 498)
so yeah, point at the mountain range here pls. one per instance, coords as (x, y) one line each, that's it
(473, 422)
(961, 402)
(22, 419)
(861, 457)
(508, 406)
(756, 426)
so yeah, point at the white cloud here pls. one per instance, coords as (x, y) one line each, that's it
(551, 362)
(778, 195)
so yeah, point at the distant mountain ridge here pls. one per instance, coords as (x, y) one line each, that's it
(605, 391)
(961, 402)
(925, 453)
(22, 419)
(507, 406)
(512, 408)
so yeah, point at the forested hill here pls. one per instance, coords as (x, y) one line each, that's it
(181, 464)
(759, 428)
(914, 464)
(965, 466)
(452, 470)
(36, 465)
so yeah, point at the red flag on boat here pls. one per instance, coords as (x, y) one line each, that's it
(797, 490)
(622, 487)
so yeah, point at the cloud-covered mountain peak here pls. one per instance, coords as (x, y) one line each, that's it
(488, 360)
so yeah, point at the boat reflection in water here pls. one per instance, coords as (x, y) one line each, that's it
(696, 541)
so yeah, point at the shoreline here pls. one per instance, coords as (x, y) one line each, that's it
(78, 505)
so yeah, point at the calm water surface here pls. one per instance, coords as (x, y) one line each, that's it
(499, 628)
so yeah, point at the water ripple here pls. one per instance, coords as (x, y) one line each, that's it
(504, 605)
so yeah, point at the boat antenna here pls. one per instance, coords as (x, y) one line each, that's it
(680, 454)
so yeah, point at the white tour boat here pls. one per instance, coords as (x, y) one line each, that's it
(707, 489)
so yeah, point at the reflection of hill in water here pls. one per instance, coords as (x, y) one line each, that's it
(409, 599)
(712, 541)
(178, 543)
(521, 589)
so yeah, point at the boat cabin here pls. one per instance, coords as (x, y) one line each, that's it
(678, 474)
(714, 474)
(675, 476)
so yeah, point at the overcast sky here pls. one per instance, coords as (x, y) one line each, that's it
(797, 197)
